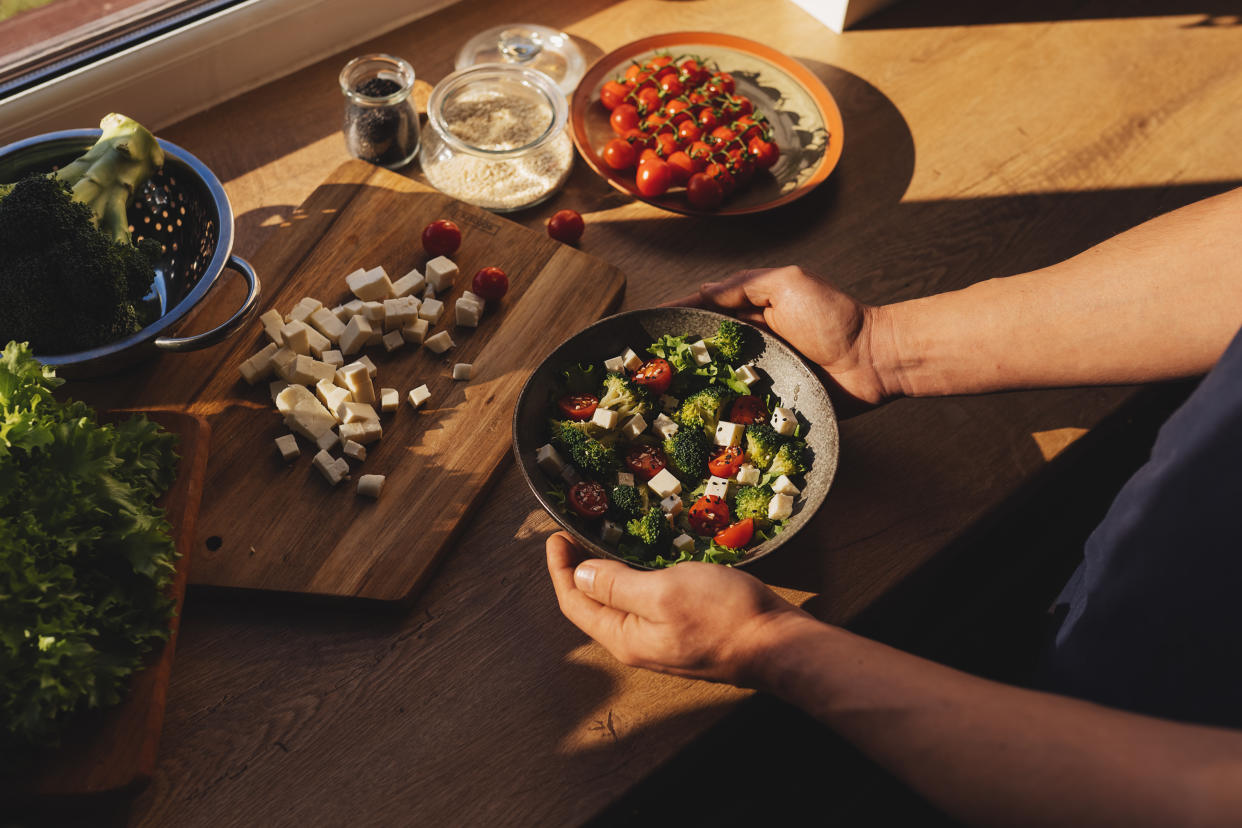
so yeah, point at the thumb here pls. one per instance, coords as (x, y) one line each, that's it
(747, 289)
(615, 585)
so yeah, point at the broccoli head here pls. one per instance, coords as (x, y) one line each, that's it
(650, 528)
(686, 452)
(790, 459)
(752, 502)
(626, 501)
(589, 454)
(623, 395)
(762, 444)
(704, 408)
(728, 340)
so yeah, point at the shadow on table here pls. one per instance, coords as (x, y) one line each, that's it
(916, 14)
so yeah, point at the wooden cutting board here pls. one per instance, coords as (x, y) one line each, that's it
(265, 524)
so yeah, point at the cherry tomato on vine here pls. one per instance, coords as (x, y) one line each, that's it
(723, 134)
(763, 153)
(566, 226)
(737, 535)
(688, 132)
(491, 283)
(638, 139)
(682, 167)
(613, 93)
(588, 499)
(671, 86)
(623, 118)
(708, 120)
(704, 192)
(578, 407)
(645, 461)
(441, 238)
(675, 107)
(721, 174)
(655, 375)
(619, 154)
(748, 409)
(709, 515)
(727, 462)
(665, 144)
(653, 178)
(649, 97)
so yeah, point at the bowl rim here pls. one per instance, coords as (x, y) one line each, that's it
(219, 258)
(808, 508)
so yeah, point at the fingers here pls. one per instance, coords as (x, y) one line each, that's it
(592, 617)
(742, 291)
(616, 585)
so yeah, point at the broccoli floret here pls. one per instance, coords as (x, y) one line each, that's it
(704, 408)
(626, 502)
(762, 443)
(582, 378)
(790, 459)
(686, 452)
(623, 395)
(752, 502)
(588, 453)
(70, 279)
(651, 528)
(728, 341)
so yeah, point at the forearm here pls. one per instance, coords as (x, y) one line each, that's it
(1161, 300)
(993, 754)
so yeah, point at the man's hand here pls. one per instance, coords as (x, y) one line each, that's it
(695, 619)
(830, 328)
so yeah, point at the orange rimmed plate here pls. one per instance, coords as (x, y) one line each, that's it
(805, 117)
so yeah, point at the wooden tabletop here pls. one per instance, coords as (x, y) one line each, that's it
(981, 142)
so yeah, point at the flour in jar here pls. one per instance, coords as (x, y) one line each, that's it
(496, 122)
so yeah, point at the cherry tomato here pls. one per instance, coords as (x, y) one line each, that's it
(490, 283)
(671, 86)
(623, 118)
(638, 139)
(654, 121)
(708, 120)
(578, 406)
(636, 74)
(441, 238)
(688, 132)
(656, 375)
(654, 178)
(665, 144)
(566, 226)
(748, 409)
(704, 192)
(764, 153)
(675, 107)
(692, 73)
(722, 175)
(737, 535)
(727, 462)
(612, 94)
(723, 134)
(619, 154)
(709, 515)
(650, 98)
(740, 105)
(658, 62)
(682, 167)
(588, 499)
(648, 155)
(645, 462)
(721, 83)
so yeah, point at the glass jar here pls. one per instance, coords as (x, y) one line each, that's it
(497, 137)
(381, 121)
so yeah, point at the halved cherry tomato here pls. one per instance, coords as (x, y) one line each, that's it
(578, 406)
(748, 409)
(619, 154)
(656, 375)
(737, 535)
(612, 94)
(623, 118)
(709, 515)
(588, 499)
(727, 462)
(645, 461)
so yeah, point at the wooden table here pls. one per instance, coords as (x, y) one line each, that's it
(981, 141)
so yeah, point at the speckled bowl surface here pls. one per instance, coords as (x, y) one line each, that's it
(789, 376)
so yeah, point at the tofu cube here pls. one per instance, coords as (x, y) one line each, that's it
(748, 475)
(780, 507)
(634, 426)
(440, 273)
(729, 434)
(784, 422)
(419, 395)
(370, 285)
(747, 374)
(397, 312)
(408, 284)
(393, 340)
(631, 360)
(783, 485)
(665, 483)
(664, 426)
(324, 321)
(296, 336)
(287, 445)
(549, 461)
(698, 350)
(462, 371)
(332, 357)
(683, 543)
(625, 479)
(609, 532)
(354, 450)
(357, 335)
(440, 342)
(671, 506)
(415, 331)
(358, 381)
(718, 486)
(272, 323)
(370, 485)
(605, 418)
(389, 400)
(431, 310)
(466, 314)
(615, 364)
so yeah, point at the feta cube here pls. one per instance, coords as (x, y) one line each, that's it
(429, 293)
(354, 450)
(441, 272)
(462, 371)
(331, 394)
(615, 364)
(259, 366)
(671, 506)
(332, 357)
(304, 308)
(355, 412)
(370, 285)
(307, 370)
(282, 361)
(664, 426)
(362, 431)
(698, 350)
(287, 445)
(357, 335)
(548, 460)
(275, 387)
(634, 426)
(358, 381)
(683, 543)
(324, 321)
(783, 485)
(718, 486)
(389, 400)
(665, 483)
(415, 331)
(352, 308)
(370, 485)
(784, 422)
(397, 312)
(747, 374)
(303, 413)
(625, 479)
(439, 343)
(605, 418)
(408, 284)
(374, 313)
(474, 297)
(729, 434)
(669, 403)
(780, 507)
(419, 395)
(342, 313)
(748, 475)
(393, 340)
(431, 310)
(609, 532)
(366, 362)
(330, 467)
(466, 314)
(326, 440)
(631, 360)
(272, 323)
(296, 336)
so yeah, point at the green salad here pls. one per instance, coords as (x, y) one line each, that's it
(676, 452)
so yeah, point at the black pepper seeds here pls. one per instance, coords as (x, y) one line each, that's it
(381, 133)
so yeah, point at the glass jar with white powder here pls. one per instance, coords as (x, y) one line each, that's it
(497, 137)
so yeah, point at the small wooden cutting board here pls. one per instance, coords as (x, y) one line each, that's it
(265, 524)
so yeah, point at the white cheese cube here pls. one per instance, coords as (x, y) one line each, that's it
(605, 418)
(634, 426)
(411, 282)
(327, 440)
(389, 400)
(328, 467)
(441, 272)
(304, 308)
(466, 314)
(615, 364)
(439, 343)
(631, 360)
(609, 532)
(729, 434)
(747, 374)
(415, 331)
(625, 479)
(780, 507)
(287, 445)
(664, 426)
(296, 336)
(370, 485)
(319, 344)
(671, 506)
(431, 310)
(665, 483)
(668, 403)
(358, 381)
(324, 321)
(275, 387)
(282, 361)
(357, 334)
(259, 366)
(462, 371)
(429, 293)
(303, 413)
(397, 312)
(683, 543)
(419, 395)
(698, 350)
(392, 341)
(272, 323)
(366, 362)
(370, 285)
(331, 394)
(352, 308)
(354, 450)
(308, 370)
(342, 314)
(748, 475)
(332, 357)
(548, 460)
(784, 422)
(570, 475)
(374, 313)
(362, 431)
(718, 486)
(355, 412)
(471, 296)
(783, 485)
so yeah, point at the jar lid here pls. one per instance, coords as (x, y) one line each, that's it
(529, 45)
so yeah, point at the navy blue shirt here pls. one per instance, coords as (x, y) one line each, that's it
(1153, 616)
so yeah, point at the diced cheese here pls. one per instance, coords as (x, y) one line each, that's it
(354, 450)
(327, 440)
(415, 331)
(780, 507)
(319, 343)
(342, 313)
(419, 395)
(304, 308)
(748, 475)
(398, 312)
(366, 362)
(747, 374)
(615, 364)
(357, 333)
(783, 485)
(631, 360)
(374, 313)
(272, 323)
(308, 370)
(370, 285)
(441, 272)
(275, 387)
(393, 340)
(548, 460)
(784, 422)
(462, 371)
(470, 295)
(259, 366)
(352, 308)
(326, 464)
(698, 350)
(370, 485)
(466, 314)
(605, 418)
(683, 543)
(664, 426)
(431, 310)
(331, 394)
(440, 342)
(282, 361)
(303, 412)
(362, 431)
(609, 532)
(332, 357)
(296, 336)
(355, 412)
(665, 483)
(729, 434)
(287, 445)
(625, 479)
(671, 506)
(718, 486)
(669, 403)
(358, 381)
(390, 399)
(324, 321)
(411, 282)
(634, 426)
(429, 293)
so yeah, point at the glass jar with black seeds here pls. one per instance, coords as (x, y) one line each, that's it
(381, 121)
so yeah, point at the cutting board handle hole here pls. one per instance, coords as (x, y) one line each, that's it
(215, 542)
